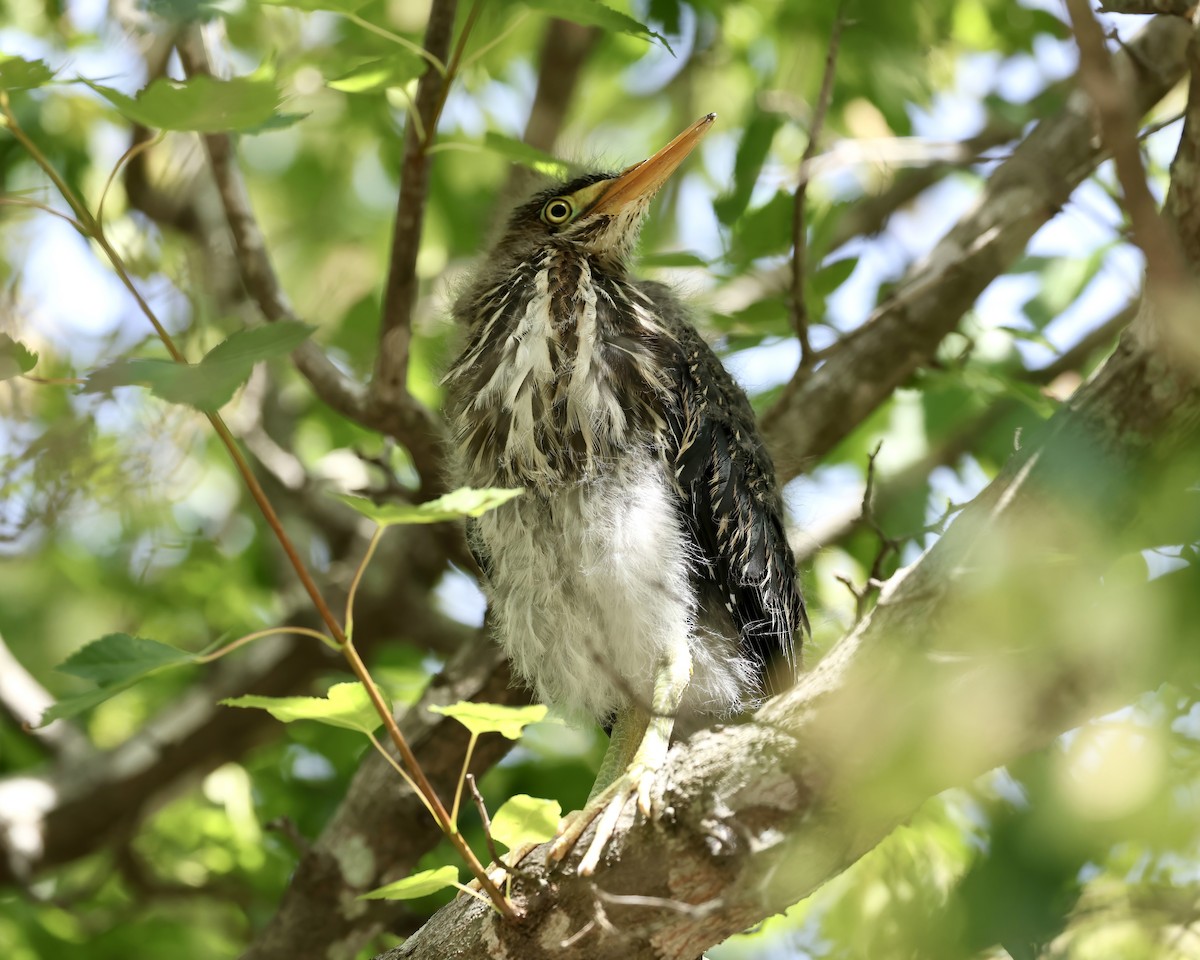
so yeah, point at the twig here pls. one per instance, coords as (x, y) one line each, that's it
(799, 227)
(286, 827)
(483, 815)
(1165, 268)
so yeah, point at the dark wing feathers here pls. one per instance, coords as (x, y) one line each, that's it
(726, 481)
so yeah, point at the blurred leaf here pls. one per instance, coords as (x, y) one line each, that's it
(346, 705)
(763, 230)
(752, 153)
(493, 717)
(118, 656)
(526, 155)
(455, 505)
(211, 383)
(420, 884)
(592, 13)
(17, 73)
(116, 662)
(1063, 279)
(524, 819)
(832, 275)
(15, 358)
(336, 6)
(374, 75)
(203, 104)
(679, 258)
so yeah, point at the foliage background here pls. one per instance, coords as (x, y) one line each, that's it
(120, 513)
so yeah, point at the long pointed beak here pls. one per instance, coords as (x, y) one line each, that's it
(642, 180)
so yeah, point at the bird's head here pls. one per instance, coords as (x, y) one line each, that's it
(598, 215)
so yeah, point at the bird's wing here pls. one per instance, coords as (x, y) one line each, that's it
(731, 503)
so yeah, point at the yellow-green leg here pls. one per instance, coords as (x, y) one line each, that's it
(636, 752)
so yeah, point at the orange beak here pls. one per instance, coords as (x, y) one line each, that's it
(642, 180)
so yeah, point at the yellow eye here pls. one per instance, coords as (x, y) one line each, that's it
(558, 210)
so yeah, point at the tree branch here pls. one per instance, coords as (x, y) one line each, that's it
(754, 817)
(821, 407)
(390, 385)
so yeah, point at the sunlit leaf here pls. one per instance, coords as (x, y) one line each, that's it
(464, 502)
(420, 884)
(832, 275)
(204, 104)
(526, 155)
(592, 13)
(346, 705)
(524, 819)
(17, 73)
(375, 75)
(15, 358)
(493, 717)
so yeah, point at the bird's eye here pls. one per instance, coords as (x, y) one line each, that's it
(557, 211)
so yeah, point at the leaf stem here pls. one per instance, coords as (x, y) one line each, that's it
(358, 575)
(258, 635)
(462, 776)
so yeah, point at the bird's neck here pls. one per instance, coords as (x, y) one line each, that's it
(561, 372)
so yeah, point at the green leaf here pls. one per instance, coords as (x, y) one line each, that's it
(204, 104)
(116, 662)
(524, 154)
(832, 275)
(15, 358)
(374, 75)
(17, 73)
(524, 819)
(751, 155)
(211, 383)
(463, 502)
(336, 6)
(493, 717)
(247, 347)
(592, 13)
(73, 706)
(418, 885)
(346, 705)
(116, 657)
(680, 258)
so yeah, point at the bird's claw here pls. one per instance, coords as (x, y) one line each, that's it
(635, 784)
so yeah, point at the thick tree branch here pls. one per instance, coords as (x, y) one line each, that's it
(962, 666)
(821, 406)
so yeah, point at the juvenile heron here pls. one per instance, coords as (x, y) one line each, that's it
(644, 579)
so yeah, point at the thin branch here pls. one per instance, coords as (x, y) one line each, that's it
(1165, 269)
(390, 384)
(410, 423)
(799, 227)
(1177, 8)
(483, 815)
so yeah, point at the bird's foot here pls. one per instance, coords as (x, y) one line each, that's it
(635, 784)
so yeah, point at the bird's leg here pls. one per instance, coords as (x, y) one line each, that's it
(635, 755)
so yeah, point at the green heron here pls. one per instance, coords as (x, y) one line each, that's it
(644, 579)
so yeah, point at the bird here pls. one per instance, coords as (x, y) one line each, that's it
(644, 580)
